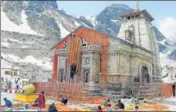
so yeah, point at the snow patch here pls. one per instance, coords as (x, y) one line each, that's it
(116, 21)
(77, 24)
(28, 59)
(172, 107)
(165, 40)
(8, 25)
(25, 24)
(167, 26)
(167, 61)
(170, 63)
(5, 63)
(32, 60)
(47, 59)
(92, 19)
(168, 79)
(13, 40)
(17, 41)
(170, 103)
(5, 44)
(24, 46)
(85, 24)
(10, 57)
(63, 31)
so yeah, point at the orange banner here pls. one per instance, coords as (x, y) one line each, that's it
(74, 51)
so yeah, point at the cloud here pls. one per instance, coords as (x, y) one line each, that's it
(168, 27)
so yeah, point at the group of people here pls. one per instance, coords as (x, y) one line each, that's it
(107, 103)
(52, 107)
(40, 103)
(119, 105)
(13, 85)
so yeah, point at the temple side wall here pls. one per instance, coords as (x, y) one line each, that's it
(96, 67)
(61, 65)
(125, 60)
(87, 65)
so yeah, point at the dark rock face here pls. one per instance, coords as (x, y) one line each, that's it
(43, 27)
(173, 55)
(36, 6)
(40, 22)
(112, 12)
(159, 35)
(87, 22)
(161, 47)
(13, 10)
(52, 3)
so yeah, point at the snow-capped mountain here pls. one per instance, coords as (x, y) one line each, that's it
(42, 17)
(29, 29)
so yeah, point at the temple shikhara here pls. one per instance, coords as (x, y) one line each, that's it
(109, 64)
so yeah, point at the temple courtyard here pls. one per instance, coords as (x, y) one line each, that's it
(168, 104)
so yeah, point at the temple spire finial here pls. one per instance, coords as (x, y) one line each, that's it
(137, 5)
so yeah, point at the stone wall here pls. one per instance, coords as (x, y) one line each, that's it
(117, 84)
(96, 67)
(92, 52)
(125, 59)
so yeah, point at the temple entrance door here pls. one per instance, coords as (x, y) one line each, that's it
(144, 75)
(61, 75)
(72, 71)
(86, 75)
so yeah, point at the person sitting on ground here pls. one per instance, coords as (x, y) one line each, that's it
(136, 108)
(120, 105)
(99, 109)
(106, 102)
(52, 108)
(36, 103)
(110, 109)
(8, 103)
(64, 99)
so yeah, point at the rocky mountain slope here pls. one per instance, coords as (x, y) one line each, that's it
(30, 29)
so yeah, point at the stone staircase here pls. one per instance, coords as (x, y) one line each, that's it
(112, 94)
(93, 89)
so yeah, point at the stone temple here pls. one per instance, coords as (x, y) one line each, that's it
(107, 64)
